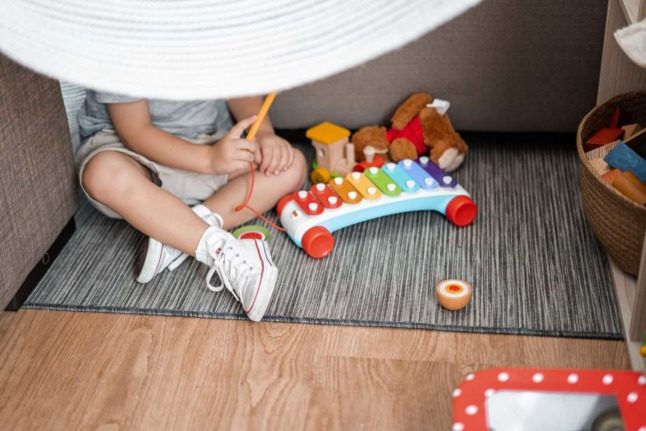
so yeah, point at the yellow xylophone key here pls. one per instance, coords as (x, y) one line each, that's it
(346, 191)
(360, 182)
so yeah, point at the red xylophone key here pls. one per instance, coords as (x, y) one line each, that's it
(326, 195)
(307, 202)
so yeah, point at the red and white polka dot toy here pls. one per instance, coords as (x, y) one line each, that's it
(474, 401)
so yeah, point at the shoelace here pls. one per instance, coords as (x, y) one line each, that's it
(229, 265)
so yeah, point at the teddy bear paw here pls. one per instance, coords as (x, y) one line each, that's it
(450, 160)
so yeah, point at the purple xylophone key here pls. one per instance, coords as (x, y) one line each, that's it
(437, 173)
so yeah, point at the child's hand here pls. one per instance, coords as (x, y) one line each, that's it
(231, 153)
(276, 154)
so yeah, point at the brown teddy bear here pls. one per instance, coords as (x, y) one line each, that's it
(415, 128)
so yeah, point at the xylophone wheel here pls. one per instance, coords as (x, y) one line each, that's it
(461, 211)
(318, 242)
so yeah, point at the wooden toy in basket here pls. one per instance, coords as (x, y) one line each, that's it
(310, 217)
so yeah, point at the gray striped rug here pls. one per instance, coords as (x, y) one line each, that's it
(534, 263)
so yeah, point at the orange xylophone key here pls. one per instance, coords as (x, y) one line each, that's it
(346, 191)
(326, 195)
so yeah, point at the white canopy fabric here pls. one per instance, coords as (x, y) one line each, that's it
(201, 49)
(632, 40)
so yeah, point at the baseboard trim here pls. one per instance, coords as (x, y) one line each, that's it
(41, 267)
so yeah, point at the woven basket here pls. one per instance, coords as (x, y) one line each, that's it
(618, 222)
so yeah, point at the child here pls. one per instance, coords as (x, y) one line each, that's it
(175, 171)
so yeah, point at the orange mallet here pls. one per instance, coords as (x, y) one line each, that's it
(262, 113)
(253, 130)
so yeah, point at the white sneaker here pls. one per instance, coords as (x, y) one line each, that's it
(245, 269)
(156, 258)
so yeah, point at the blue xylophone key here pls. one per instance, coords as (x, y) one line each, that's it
(422, 177)
(401, 178)
(437, 173)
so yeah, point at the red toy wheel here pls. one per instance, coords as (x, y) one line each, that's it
(282, 202)
(318, 242)
(461, 211)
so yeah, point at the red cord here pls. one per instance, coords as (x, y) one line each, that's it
(264, 108)
(245, 204)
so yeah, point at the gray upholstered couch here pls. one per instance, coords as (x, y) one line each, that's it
(506, 65)
(37, 180)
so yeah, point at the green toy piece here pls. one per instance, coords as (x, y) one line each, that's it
(252, 231)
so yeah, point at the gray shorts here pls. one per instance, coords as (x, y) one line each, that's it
(190, 187)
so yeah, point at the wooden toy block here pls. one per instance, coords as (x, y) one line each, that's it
(333, 149)
(624, 158)
(603, 137)
(635, 181)
(628, 189)
(600, 166)
(327, 133)
(630, 130)
(610, 176)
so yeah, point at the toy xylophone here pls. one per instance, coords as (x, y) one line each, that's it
(310, 217)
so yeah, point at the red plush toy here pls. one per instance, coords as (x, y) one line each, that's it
(416, 128)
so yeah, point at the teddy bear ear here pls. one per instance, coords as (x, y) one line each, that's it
(409, 109)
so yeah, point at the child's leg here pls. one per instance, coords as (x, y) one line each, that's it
(267, 191)
(244, 266)
(121, 183)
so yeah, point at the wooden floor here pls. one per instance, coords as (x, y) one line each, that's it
(113, 372)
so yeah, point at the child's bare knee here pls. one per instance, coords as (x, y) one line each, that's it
(102, 176)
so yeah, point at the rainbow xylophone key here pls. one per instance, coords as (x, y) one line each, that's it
(311, 216)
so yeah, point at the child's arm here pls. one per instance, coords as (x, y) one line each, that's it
(276, 154)
(134, 127)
